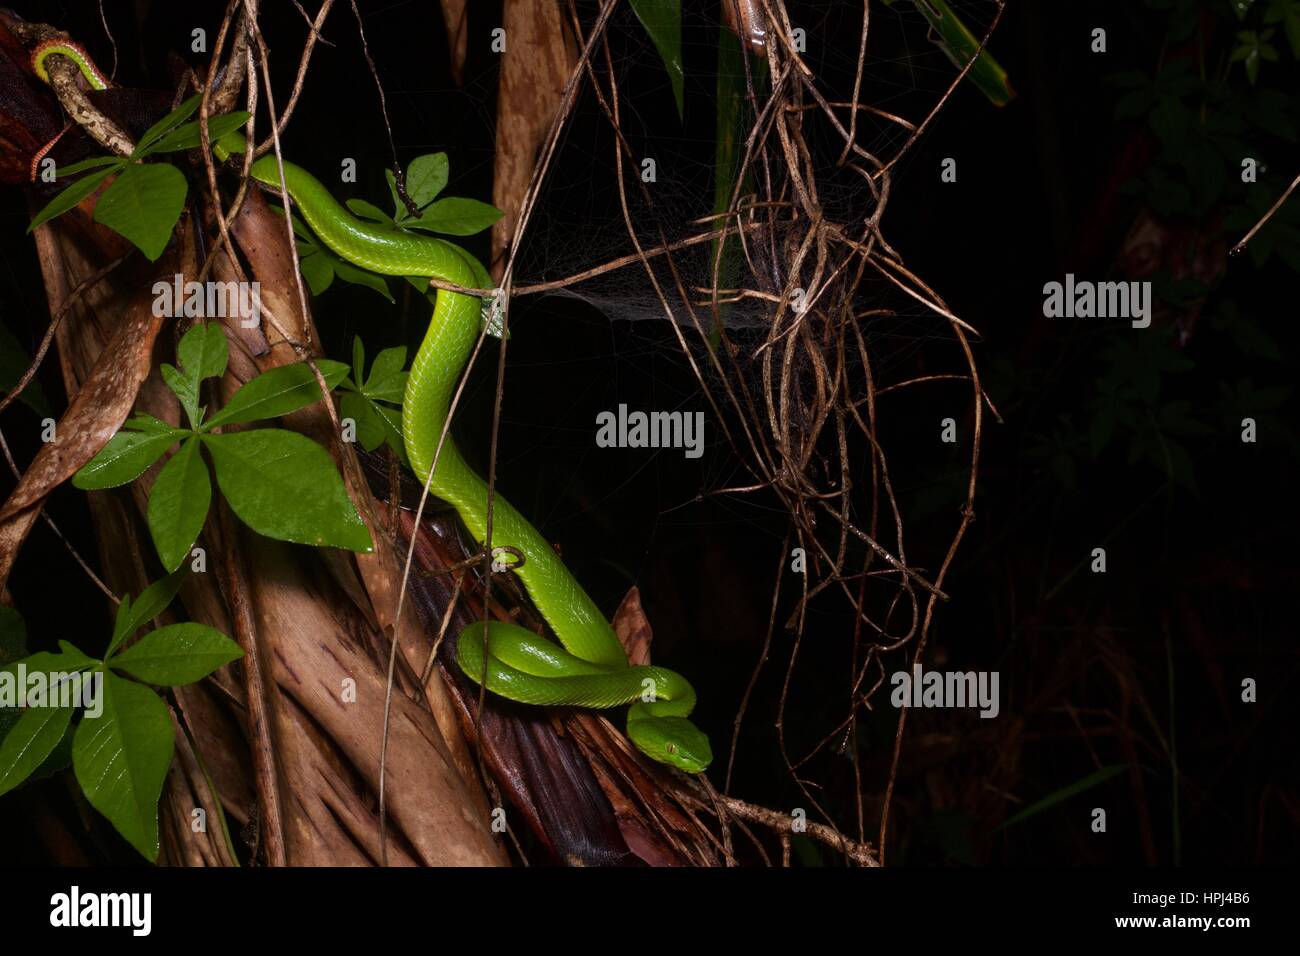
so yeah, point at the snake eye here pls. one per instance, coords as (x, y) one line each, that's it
(672, 748)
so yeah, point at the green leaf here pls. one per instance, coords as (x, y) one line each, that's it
(121, 759)
(317, 270)
(456, 216)
(1245, 398)
(1253, 48)
(151, 602)
(189, 136)
(1065, 793)
(1171, 121)
(1176, 418)
(286, 487)
(144, 422)
(177, 654)
(186, 390)
(662, 19)
(1206, 173)
(729, 132)
(320, 267)
(32, 735)
(94, 162)
(14, 361)
(143, 205)
(425, 178)
(1286, 12)
(388, 364)
(376, 424)
(13, 635)
(1169, 198)
(1177, 463)
(392, 422)
(67, 659)
(333, 372)
(178, 504)
(370, 427)
(299, 228)
(71, 196)
(350, 273)
(59, 759)
(277, 392)
(1101, 430)
(953, 37)
(30, 741)
(391, 390)
(123, 459)
(203, 351)
(1247, 334)
(1268, 110)
(358, 358)
(399, 207)
(168, 122)
(387, 381)
(367, 210)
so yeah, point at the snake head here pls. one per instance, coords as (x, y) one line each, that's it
(672, 740)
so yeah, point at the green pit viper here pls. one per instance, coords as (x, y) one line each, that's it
(591, 670)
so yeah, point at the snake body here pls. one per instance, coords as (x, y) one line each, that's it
(74, 52)
(592, 669)
(94, 79)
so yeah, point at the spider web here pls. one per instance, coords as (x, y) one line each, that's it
(579, 224)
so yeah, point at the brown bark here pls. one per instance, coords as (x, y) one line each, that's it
(539, 58)
(455, 14)
(314, 616)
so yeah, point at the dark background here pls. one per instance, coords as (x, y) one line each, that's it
(1138, 669)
